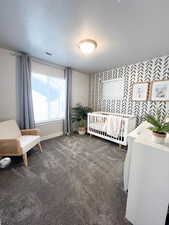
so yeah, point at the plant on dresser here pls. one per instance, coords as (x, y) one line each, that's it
(160, 127)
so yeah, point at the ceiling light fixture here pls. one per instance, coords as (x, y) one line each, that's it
(87, 46)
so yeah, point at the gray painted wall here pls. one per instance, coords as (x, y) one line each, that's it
(80, 88)
(80, 85)
(7, 85)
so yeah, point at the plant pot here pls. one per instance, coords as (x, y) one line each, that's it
(82, 130)
(158, 138)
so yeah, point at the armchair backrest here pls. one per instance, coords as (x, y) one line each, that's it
(9, 130)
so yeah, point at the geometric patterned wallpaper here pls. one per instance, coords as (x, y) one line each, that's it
(153, 69)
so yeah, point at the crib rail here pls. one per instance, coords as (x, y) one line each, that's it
(114, 114)
(97, 125)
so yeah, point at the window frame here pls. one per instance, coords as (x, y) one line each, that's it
(61, 118)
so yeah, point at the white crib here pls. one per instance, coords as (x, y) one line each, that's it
(97, 125)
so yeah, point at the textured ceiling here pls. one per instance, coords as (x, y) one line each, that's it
(126, 31)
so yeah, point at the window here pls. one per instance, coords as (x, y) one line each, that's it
(48, 97)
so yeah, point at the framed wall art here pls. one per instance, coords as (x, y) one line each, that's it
(140, 91)
(159, 90)
(113, 89)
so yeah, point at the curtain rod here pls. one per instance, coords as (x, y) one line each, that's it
(57, 66)
(43, 61)
(35, 59)
(13, 53)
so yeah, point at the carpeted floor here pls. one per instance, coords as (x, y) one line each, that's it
(75, 181)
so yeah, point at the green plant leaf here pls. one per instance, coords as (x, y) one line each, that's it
(165, 127)
(152, 120)
(159, 125)
(82, 123)
(79, 112)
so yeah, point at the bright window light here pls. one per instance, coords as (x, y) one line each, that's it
(48, 97)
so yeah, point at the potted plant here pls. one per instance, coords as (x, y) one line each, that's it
(160, 127)
(79, 115)
(82, 127)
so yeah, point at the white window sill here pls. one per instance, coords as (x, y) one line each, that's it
(48, 122)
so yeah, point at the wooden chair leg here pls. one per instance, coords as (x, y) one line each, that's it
(25, 159)
(40, 146)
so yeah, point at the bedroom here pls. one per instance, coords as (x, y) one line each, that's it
(92, 159)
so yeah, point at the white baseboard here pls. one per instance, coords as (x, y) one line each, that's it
(51, 136)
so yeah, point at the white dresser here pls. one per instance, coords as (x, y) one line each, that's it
(148, 188)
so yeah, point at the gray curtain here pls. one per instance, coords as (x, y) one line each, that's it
(24, 92)
(68, 116)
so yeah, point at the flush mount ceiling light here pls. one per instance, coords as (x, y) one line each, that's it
(87, 46)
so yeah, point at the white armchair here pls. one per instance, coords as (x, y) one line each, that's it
(16, 142)
(142, 128)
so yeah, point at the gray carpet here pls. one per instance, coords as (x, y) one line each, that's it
(75, 181)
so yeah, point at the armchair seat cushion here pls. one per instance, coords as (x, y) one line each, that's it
(28, 141)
